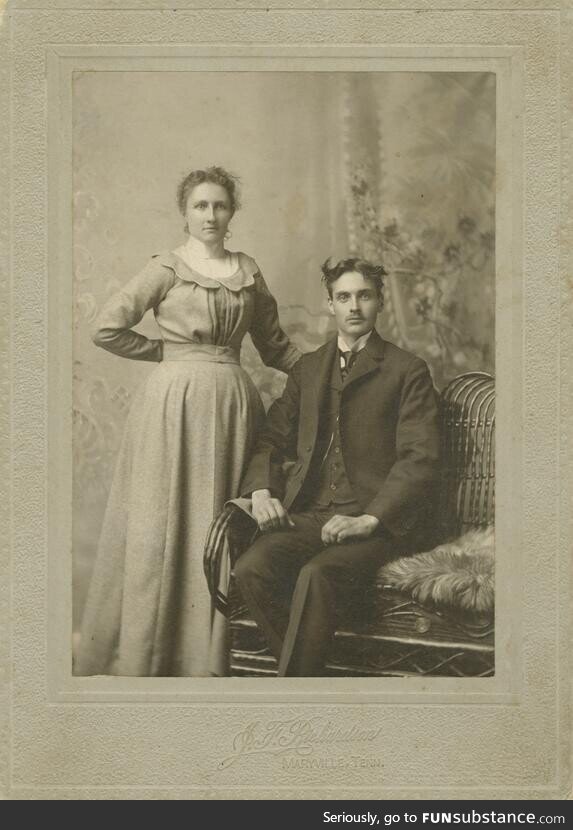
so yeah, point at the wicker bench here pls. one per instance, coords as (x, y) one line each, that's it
(402, 637)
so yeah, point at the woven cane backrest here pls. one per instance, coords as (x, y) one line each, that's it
(468, 454)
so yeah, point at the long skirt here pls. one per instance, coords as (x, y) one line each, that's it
(187, 438)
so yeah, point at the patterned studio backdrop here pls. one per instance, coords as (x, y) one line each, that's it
(397, 167)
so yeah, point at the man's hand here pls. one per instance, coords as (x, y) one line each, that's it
(268, 512)
(347, 528)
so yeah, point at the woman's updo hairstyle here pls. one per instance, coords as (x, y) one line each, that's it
(215, 175)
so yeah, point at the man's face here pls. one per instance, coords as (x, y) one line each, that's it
(355, 305)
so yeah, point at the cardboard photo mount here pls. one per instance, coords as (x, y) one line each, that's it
(502, 737)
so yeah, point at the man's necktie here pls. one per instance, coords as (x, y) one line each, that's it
(346, 362)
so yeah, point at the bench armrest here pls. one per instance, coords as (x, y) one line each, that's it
(229, 534)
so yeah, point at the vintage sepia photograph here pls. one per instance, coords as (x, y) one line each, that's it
(283, 390)
(287, 334)
(286, 460)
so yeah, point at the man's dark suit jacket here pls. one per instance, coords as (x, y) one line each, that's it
(388, 426)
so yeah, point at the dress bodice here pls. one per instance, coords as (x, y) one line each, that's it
(192, 308)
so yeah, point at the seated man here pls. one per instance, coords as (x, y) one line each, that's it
(359, 418)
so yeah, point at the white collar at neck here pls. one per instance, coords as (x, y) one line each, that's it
(196, 255)
(358, 345)
(198, 250)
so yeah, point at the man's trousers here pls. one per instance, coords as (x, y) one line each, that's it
(296, 587)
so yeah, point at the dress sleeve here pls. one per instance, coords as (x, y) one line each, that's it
(112, 330)
(271, 342)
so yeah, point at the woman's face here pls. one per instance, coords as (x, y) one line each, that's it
(208, 212)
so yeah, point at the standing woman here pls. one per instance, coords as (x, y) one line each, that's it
(187, 437)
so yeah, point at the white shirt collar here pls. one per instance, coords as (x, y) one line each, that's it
(357, 347)
(198, 250)
(195, 254)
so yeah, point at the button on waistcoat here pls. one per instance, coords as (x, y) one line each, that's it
(327, 481)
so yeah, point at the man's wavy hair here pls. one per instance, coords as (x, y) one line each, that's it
(371, 272)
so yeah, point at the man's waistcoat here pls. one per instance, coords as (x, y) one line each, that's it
(327, 482)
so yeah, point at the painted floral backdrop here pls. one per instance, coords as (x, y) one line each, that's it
(397, 167)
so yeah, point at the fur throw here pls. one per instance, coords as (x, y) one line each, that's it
(458, 574)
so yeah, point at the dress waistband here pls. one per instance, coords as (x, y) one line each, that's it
(206, 352)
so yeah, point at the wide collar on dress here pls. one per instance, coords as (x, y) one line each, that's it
(243, 276)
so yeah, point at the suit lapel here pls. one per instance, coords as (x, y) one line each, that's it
(315, 384)
(318, 377)
(334, 379)
(369, 360)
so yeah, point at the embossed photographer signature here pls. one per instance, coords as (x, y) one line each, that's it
(297, 735)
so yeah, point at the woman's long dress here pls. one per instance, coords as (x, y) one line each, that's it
(188, 434)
